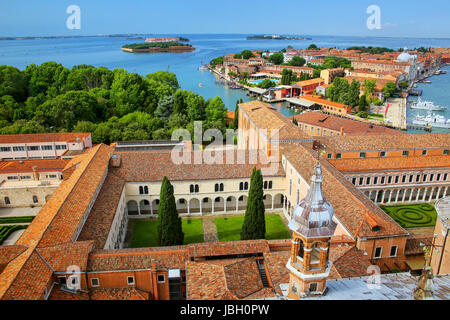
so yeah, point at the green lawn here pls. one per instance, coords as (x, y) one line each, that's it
(145, 232)
(412, 215)
(229, 229)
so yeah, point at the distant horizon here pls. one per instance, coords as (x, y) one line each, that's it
(352, 18)
(230, 33)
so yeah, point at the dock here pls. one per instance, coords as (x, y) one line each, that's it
(420, 127)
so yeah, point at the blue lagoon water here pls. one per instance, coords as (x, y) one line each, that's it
(105, 51)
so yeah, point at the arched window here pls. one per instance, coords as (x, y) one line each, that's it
(7, 200)
(246, 186)
(145, 190)
(270, 184)
(241, 186)
(265, 184)
(197, 188)
(141, 190)
(221, 187)
(301, 249)
(315, 252)
(216, 187)
(35, 199)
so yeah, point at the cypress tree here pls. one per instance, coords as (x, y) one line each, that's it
(254, 226)
(236, 116)
(169, 223)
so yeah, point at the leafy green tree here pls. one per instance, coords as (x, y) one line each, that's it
(216, 111)
(48, 78)
(179, 105)
(196, 105)
(254, 226)
(177, 121)
(128, 92)
(312, 47)
(161, 134)
(353, 95)
(216, 61)
(89, 77)
(13, 83)
(247, 54)
(363, 105)
(65, 110)
(277, 58)
(7, 107)
(84, 126)
(297, 61)
(102, 134)
(389, 89)
(170, 231)
(369, 86)
(266, 84)
(165, 77)
(294, 121)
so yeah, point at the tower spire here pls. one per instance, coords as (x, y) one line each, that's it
(312, 227)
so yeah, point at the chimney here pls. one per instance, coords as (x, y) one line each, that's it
(35, 173)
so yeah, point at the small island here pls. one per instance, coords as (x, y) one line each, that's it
(154, 47)
(275, 37)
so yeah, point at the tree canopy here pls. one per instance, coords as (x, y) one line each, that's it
(113, 105)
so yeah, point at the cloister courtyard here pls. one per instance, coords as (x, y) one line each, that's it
(142, 232)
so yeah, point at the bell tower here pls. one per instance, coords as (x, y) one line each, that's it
(312, 227)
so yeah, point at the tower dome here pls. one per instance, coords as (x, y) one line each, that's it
(404, 56)
(313, 216)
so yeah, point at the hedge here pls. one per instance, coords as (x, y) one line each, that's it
(24, 219)
(5, 231)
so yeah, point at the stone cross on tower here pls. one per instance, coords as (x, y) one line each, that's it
(312, 227)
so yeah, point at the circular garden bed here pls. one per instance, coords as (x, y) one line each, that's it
(412, 216)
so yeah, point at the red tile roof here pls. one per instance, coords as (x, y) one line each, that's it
(43, 165)
(391, 163)
(42, 137)
(129, 293)
(350, 127)
(383, 142)
(60, 257)
(349, 203)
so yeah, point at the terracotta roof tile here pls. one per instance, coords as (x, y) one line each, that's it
(60, 257)
(349, 203)
(265, 117)
(350, 127)
(27, 165)
(391, 163)
(383, 142)
(129, 293)
(42, 137)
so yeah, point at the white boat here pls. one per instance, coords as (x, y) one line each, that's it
(426, 105)
(433, 120)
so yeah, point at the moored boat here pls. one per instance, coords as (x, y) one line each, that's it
(426, 105)
(433, 120)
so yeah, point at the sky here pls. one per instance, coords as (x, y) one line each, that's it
(398, 18)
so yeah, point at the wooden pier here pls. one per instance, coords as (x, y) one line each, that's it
(420, 127)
